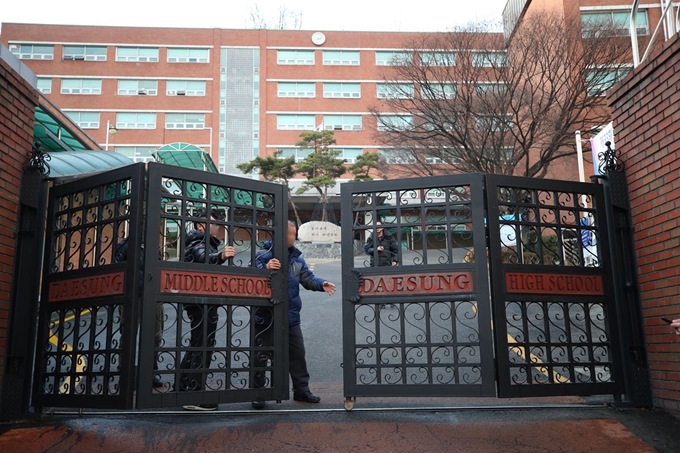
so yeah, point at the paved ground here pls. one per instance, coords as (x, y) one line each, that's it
(565, 424)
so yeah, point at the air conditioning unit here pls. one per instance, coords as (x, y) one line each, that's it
(79, 57)
(181, 93)
(68, 57)
(141, 92)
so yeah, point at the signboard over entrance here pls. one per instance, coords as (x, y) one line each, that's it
(213, 284)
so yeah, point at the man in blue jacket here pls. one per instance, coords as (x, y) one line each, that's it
(298, 274)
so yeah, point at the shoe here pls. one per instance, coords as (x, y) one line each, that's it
(201, 407)
(157, 383)
(307, 397)
(258, 404)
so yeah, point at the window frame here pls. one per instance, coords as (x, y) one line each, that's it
(341, 94)
(184, 124)
(297, 126)
(296, 61)
(623, 29)
(32, 55)
(43, 90)
(136, 123)
(384, 128)
(186, 91)
(138, 58)
(393, 61)
(342, 61)
(89, 92)
(84, 124)
(450, 60)
(137, 91)
(342, 126)
(84, 55)
(296, 93)
(489, 59)
(382, 91)
(188, 59)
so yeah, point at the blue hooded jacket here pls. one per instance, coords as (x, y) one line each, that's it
(298, 274)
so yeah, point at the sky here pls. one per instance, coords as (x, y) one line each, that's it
(317, 15)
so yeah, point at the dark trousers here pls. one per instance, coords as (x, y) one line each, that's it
(203, 325)
(297, 364)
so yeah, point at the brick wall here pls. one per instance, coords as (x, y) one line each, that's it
(18, 100)
(646, 113)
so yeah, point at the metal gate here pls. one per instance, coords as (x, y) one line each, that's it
(212, 333)
(424, 325)
(118, 261)
(86, 337)
(553, 297)
(421, 327)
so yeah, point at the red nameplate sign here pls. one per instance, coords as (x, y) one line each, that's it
(410, 284)
(87, 287)
(557, 284)
(208, 284)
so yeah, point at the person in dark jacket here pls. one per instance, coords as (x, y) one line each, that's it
(202, 247)
(382, 247)
(298, 274)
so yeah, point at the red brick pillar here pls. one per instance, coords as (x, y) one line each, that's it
(646, 113)
(18, 101)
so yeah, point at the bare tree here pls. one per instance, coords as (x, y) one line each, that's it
(285, 18)
(464, 101)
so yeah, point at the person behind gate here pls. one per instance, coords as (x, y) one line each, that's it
(202, 247)
(382, 248)
(298, 274)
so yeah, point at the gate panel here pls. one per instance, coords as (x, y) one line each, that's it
(87, 319)
(554, 307)
(421, 327)
(212, 333)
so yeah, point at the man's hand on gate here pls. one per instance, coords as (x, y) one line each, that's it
(273, 264)
(228, 252)
(381, 248)
(329, 288)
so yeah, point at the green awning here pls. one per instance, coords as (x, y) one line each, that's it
(79, 162)
(54, 135)
(185, 155)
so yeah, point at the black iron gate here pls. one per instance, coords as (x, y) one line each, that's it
(416, 317)
(553, 299)
(424, 325)
(211, 331)
(86, 339)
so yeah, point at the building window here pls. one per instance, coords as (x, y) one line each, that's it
(490, 59)
(618, 22)
(438, 58)
(185, 88)
(342, 122)
(438, 91)
(341, 57)
(136, 120)
(298, 153)
(297, 89)
(396, 156)
(137, 87)
(349, 154)
(299, 57)
(45, 86)
(342, 90)
(137, 153)
(393, 58)
(601, 80)
(81, 86)
(32, 52)
(185, 120)
(87, 53)
(188, 55)
(395, 122)
(295, 122)
(85, 120)
(487, 88)
(137, 54)
(493, 123)
(395, 91)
